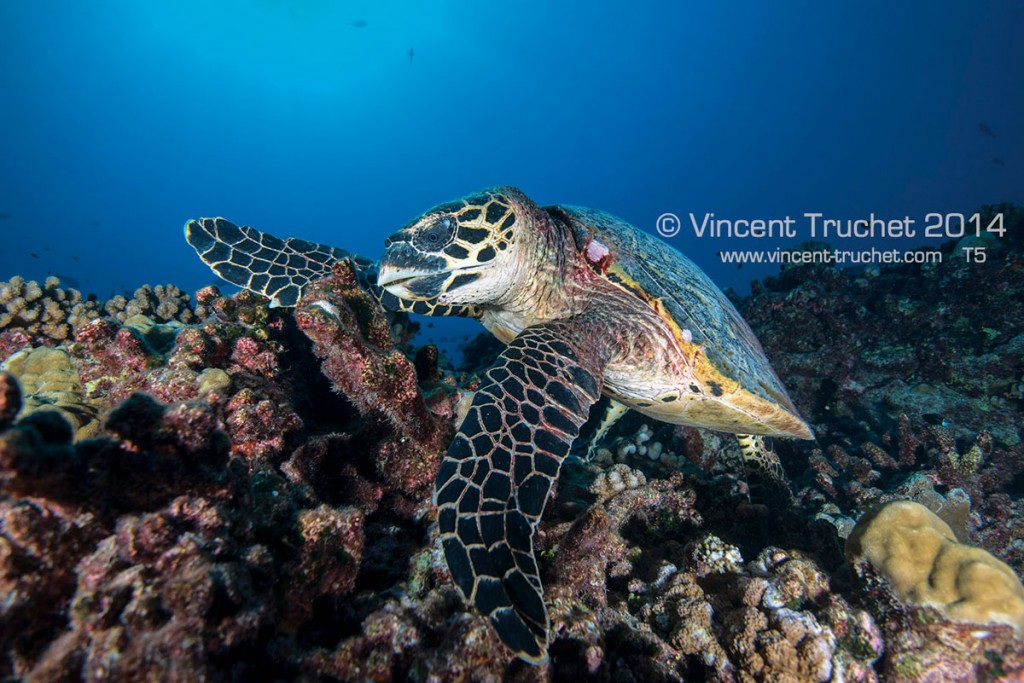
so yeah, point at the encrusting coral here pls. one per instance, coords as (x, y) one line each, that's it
(352, 335)
(158, 546)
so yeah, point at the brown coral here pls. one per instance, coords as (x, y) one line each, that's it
(49, 380)
(352, 335)
(772, 619)
(921, 646)
(48, 313)
(162, 303)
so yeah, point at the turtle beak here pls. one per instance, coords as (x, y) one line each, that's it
(410, 274)
(411, 285)
(390, 277)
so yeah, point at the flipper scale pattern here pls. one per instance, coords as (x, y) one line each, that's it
(496, 477)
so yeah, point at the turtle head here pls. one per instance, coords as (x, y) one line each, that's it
(462, 252)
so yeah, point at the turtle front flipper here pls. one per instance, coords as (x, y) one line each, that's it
(278, 269)
(495, 479)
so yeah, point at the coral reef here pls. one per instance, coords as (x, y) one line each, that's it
(626, 581)
(639, 444)
(204, 488)
(921, 645)
(47, 312)
(156, 544)
(938, 340)
(162, 303)
(773, 619)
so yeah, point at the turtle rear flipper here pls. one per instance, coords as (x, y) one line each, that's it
(763, 469)
(495, 479)
(278, 269)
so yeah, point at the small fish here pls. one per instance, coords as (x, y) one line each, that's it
(4, 216)
(998, 162)
(358, 23)
(983, 127)
(33, 254)
(74, 258)
(411, 53)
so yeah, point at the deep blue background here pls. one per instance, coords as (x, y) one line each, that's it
(121, 119)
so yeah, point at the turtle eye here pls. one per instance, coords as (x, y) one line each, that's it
(437, 236)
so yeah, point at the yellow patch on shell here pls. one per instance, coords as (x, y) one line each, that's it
(693, 352)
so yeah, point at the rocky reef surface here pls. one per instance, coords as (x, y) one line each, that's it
(203, 488)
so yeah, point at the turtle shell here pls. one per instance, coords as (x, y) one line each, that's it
(659, 273)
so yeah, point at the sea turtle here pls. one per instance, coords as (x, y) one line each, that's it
(587, 305)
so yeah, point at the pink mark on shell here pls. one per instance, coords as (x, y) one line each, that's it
(687, 336)
(596, 251)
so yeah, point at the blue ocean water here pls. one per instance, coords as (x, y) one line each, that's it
(340, 121)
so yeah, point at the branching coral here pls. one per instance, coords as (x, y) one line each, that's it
(47, 313)
(161, 304)
(50, 314)
(771, 619)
